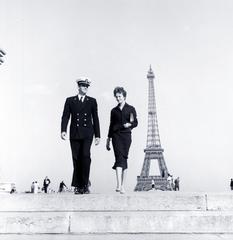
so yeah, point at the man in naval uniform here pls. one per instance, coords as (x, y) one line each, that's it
(84, 124)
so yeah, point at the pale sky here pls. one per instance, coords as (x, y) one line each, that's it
(51, 43)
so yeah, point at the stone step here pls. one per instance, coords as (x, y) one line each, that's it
(116, 222)
(117, 202)
(104, 202)
(135, 213)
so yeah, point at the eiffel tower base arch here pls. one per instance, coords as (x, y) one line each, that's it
(145, 183)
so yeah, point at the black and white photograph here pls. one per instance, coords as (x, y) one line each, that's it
(117, 119)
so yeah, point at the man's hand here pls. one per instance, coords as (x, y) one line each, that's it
(97, 141)
(63, 135)
(108, 144)
(127, 125)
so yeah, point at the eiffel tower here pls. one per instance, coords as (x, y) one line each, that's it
(153, 150)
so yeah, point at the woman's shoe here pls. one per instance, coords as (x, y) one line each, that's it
(118, 189)
(122, 191)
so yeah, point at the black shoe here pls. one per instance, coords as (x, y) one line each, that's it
(86, 190)
(78, 190)
(75, 190)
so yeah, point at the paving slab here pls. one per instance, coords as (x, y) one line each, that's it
(219, 201)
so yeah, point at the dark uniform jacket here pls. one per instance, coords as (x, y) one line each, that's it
(120, 117)
(84, 118)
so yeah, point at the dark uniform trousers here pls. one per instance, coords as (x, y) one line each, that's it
(81, 161)
(84, 124)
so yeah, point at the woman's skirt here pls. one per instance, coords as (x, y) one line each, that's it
(121, 142)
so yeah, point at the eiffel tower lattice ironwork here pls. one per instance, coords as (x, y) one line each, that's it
(153, 150)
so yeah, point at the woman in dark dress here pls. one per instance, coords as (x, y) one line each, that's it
(123, 120)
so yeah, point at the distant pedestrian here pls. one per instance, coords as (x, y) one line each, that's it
(32, 187)
(13, 190)
(177, 184)
(170, 181)
(153, 185)
(163, 173)
(46, 184)
(36, 187)
(231, 184)
(62, 186)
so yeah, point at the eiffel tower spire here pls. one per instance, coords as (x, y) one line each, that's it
(153, 138)
(153, 150)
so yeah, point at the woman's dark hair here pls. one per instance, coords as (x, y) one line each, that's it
(119, 90)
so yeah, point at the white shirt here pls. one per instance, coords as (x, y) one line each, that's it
(81, 96)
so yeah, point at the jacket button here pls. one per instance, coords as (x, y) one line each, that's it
(78, 119)
(85, 114)
(85, 119)
(78, 125)
(77, 113)
(85, 125)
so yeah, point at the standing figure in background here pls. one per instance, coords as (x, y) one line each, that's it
(163, 173)
(46, 184)
(61, 187)
(84, 124)
(32, 187)
(153, 185)
(170, 181)
(122, 120)
(177, 184)
(231, 184)
(36, 187)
